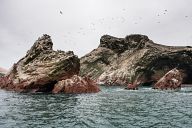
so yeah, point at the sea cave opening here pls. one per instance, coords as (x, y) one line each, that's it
(160, 67)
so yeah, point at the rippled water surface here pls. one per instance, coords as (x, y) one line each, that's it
(112, 107)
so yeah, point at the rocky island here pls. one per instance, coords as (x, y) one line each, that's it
(135, 60)
(42, 69)
(131, 61)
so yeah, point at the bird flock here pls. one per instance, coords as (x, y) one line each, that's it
(107, 23)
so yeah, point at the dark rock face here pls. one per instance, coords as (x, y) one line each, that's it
(120, 45)
(134, 59)
(76, 85)
(171, 80)
(41, 68)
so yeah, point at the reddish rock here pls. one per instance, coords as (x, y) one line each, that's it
(76, 84)
(41, 68)
(171, 80)
(132, 86)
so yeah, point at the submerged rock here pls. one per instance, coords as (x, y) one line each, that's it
(171, 80)
(76, 84)
(134, 59)
(41, 68)
(132, 87)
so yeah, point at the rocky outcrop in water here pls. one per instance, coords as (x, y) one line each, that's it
(134, 59)
(41, 68)
(132, 87)
(75, 85)
(171, 80)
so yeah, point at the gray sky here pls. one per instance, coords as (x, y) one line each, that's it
(83, 22)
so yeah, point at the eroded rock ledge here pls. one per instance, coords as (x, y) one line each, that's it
(41, 68)
(134, 59)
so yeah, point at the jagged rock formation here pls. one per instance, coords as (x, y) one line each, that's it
(171, 80)
(134, 59)
(76, 85)
(41, 68)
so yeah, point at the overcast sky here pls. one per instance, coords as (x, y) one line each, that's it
(81, 23)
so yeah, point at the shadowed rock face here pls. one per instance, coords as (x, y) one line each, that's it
(76, 85)
(171, 80)
(41, 68)
(134, 59)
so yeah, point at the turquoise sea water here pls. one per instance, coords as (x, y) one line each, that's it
(113, 107)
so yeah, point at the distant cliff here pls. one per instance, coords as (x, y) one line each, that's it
(2, 72)
(134, 59)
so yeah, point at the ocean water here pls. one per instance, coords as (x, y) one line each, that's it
(113, 107)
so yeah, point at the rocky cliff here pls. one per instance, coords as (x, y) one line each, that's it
(134, 59)
(41, 68)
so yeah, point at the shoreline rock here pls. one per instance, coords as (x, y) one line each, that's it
(132, 87)
(171, 80)
(76, 85)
